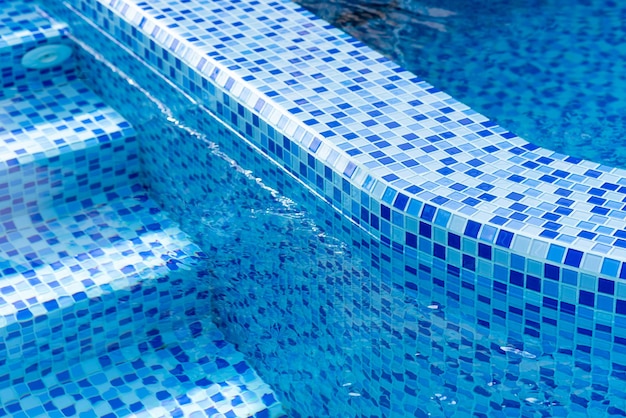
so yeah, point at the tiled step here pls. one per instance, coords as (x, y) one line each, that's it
(106, 317)
(22, 28)
(103, 311)
(60, 145)
(49, 264)
(190, 371)
(76, 284)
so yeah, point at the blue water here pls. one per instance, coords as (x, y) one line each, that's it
(329, 317)
(324, 314)
(553, 72)
(322, 311)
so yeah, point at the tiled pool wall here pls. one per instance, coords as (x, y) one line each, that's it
(564, 272)
(351, 317)
(34, 31)
(362, 311)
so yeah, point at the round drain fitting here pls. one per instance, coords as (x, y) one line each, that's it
(46, 56)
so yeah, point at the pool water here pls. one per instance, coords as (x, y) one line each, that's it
(322, 311)
(553, 72)
(331, 319)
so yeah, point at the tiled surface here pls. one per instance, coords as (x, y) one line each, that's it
(22, 29)
(118, 240)
(102, 308)
(549, 74)
(89, 298)
(413, 151)
(190, 371)
(564, 276)
(355, 314)
(366, 329)
(61, 144)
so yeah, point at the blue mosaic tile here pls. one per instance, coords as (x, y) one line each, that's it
(447, 324)
(102, 310)
(114, 241)
(189, 371)
(338, 101)
(23, 28)
(87, 297)
(59, 145)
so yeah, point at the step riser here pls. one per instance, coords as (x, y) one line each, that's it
(22, 29)
(90, 328)
(16, 77)
(73, 176)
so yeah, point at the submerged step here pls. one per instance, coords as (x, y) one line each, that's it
(55, 270)
(190, 371)
(104, 318)
(103, 311)
(48, 263)
(60, 145)
(22, 30)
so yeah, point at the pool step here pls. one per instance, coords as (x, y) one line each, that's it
(104, 318)
(54, 260)
(103, 311)
(191, 371)
(60, 145)
(103, 308)
(23, 28)
(74, 285)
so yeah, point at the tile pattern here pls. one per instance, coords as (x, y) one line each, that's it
(354, 316)
(86, 297)
(384, 130)
(103, 311)
(391, 333)
(535, 82)
(190, 371)
(116, 241)
(59, 145)
(23, 29)
(569, 276)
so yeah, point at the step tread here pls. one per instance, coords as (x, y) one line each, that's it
(191, 371)
(21, 23)
(51, 259)
(50, 121)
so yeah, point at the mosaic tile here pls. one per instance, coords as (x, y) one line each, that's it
(61, 258)
(190, 371)
(496, 257)
(61, 144)
(102, 308)
(367, 291)
(68, 278)
(21, 30)
(351, 303)
(518, 72)
(448, 325)
(385, 131)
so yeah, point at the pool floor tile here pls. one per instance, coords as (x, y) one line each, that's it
(191, 372)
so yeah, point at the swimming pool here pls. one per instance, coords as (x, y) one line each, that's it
(549, 73)
(388, 311)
